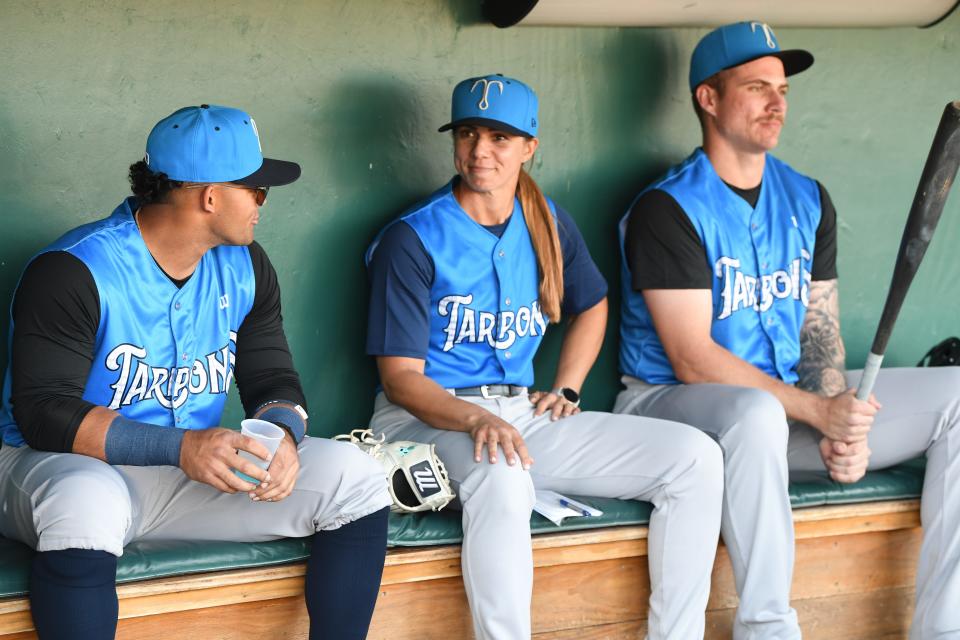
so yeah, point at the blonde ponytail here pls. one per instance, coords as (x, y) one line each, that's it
(546, 244)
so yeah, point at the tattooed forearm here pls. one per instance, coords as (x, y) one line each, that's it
(822, 356)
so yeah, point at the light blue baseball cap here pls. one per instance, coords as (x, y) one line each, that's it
(211, 143)
(497, 102)
(734, 44)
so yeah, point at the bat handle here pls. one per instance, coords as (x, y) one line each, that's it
(870, 371)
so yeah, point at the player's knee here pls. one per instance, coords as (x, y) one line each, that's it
(500, 489)
(356, 479)
(758, 421)
(83, 509)
(701, 461)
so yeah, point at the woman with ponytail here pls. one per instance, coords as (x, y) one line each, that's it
(464, 284)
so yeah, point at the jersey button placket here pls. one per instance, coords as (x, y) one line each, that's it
(499, 265)
(180, 327)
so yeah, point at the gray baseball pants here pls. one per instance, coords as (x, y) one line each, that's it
(54, 501)
(591, 453)
(920, 414)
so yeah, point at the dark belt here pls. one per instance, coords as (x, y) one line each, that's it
(492, 391)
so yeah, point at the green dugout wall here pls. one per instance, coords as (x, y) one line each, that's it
(354, 91)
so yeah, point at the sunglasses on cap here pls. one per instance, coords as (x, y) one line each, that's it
(261, 192)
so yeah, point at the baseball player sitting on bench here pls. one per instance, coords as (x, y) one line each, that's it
(126, 335)
(463, 287)
(729, 277)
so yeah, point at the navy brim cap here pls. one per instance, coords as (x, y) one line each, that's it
(485, 122)
(735, 44)
(213, 143)
(794, 60)
(272, 173)
(494, 101)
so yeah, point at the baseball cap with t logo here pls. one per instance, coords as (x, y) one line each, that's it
(497, 102)
(734, 44)
(211, 143)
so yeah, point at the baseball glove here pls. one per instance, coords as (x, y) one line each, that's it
(416, 477)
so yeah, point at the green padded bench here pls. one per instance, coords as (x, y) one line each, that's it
(142, 561)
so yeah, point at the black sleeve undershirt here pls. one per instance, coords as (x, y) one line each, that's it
(264, 368)
(825, 251)
(56, 314)
(664, 250)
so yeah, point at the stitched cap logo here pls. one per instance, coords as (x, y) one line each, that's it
(484, 103)
(256, 133)
(767, 33)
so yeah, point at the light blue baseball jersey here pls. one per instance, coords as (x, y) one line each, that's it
(761, 259)
(484, 312)
(163, 355)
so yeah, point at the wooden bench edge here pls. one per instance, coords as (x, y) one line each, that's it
(405, 565)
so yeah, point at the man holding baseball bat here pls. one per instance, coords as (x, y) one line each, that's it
(729, 278)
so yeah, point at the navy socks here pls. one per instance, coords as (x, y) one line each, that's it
(73, 595)
(343, 577)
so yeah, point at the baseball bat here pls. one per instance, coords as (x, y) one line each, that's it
(935, 182)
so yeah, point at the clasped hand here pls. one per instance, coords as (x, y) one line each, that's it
(845, 462)
(844, 448)
(846, 419)
(211, 456)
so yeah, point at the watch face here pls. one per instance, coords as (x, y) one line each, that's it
(570, 395)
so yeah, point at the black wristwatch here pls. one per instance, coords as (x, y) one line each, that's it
(568, 394)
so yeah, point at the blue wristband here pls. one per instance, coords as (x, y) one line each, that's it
(141, 444)
(285, 416)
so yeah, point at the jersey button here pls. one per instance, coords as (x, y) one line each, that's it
(507, 302)
(506, 355)
(753, 226)
(502, 253)
(176, 305)
(185, 357)
(769, 322)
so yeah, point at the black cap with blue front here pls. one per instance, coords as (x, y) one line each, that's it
(211, 143)
(734, 44)
(497, 102)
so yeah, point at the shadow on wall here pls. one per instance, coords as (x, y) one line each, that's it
(628, 152)
(374, 148)
(467, 12)
(28, 226)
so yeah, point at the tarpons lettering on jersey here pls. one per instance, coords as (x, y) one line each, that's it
(741, 291)
(470, 325)
(170, 387)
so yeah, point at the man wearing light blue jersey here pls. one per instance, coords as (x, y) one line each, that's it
(126, 334)
(730, 322)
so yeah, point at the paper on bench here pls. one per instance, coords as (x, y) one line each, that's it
(555, 507)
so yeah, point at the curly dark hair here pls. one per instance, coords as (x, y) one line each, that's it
(150, 187)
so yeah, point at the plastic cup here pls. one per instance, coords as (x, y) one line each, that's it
(267, 434)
